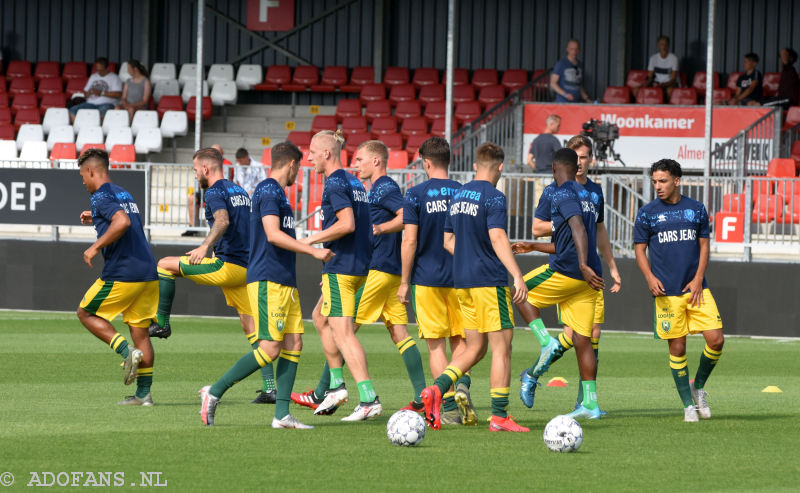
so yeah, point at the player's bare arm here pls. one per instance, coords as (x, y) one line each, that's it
(533, 246)
(502, 248)
(277, 237)
(695, 286)
(120, 222)
(582, 249)
(604, 245)
(450, 242)
(408, 250)
(542, 228)
(221, 223)
(86, 217)
(393, 226)
(653, 283)
(344, 225)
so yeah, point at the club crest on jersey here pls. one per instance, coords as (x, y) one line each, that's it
(666, 326)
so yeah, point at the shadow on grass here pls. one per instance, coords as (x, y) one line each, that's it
(670, 412)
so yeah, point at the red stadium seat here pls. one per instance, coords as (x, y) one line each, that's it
(438, 126)
(790, 189)
(169, 103)
(348, 107)
(463, 94)
(402, 92)
(277, 76)
(396, 76)
(436, 110)
(636, 78)
(75, 85)
(27, 115)
(360, 77)
(191, 108)
(354, 124)
(3, 100)
(47, 70)
(5, 116)
(303, 78)
(770, 85)
(392, 141)
(50, 86)
(92, 146)
(650, 95)
(333, 78)
(21, 85)
(407, 109)
(792, 117)
(793, 215)
(323, 122)
(414, 126)
(491, 95)
(781, 168)
(383, 126)
(414, 141)
(17, 69)
(398, 159)
(467, 112)
(617, 95)
(683, 95)
(766, 208)
(266, 156)
(7, 131)
(699, 82)
(514, 79)
(460, 77)
(682, 79)
(3, 83)
(762, 187)
(722, 94)
(544, 82)
(24, 101)
(372, 92)
(74, 70)
(64, 150)
(732, 78)
(52, 101)
(377, 109)
(432, 93)
(300, 138)
(733, 202)
(354, 140)
(122, 153)
(484, 77)
(425, 76)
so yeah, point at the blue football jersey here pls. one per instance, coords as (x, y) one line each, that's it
(385, 199)
(353, 251)
(267, 261)
(234, 245)
(571, 199)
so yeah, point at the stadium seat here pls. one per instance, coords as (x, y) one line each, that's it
(52, 101)
(406, 109)
(699, 82)
(17, 69)
(300, 138)
(62, 134)
(74, 70)
(167, 87)
(86, 118)
(323, 122)
(683, 95)
(463, 94)
(732, 78)
(169, 103)
(47, 70)
(650, 95)
(21, 85)
(377, 109)
(460, 77)
(119, 136)
(3, 83)
(24, 101)
(144, 119)
(617, 95)
(372, 92)
(188, 74)
(163, 71)
(26, 116)
(248, 76)
(792, 216)
(792, 117)
(721, 95)
(75, 85)
(467, 112)
(7, 131)
(514, 79)
(789, 189)
(5, 116)
(122, 153)
(277, 76)
(190, 91)
(354, 124)
(435, 110)
(392, 141)
(64, 151)
(398, 159)
(33, 150)
(360, 77)
(219, 72)
(484, 77)
(781, 168)
(173, 124)
(770, 84)
(766, 207)
(205, 108)
(431, 94)
(3, 100)
(733, 202)
(396, 76)
(425, 76)
(92, 145)
(50, 86)
(414, 141)
(148, 140)
(636, 78)
(354, 140)
(333, 78)
(29, 131)
(115, 119)
(414, 126)
(303, 78)
(124, 75)
(224, 92)
(89, 135)
(491, 95)
(8, 150)
(347, 107)
(402, 92)
(384, 125)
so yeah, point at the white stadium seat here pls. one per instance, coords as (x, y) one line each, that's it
(124, 76)
(29, 131)
(119, 135)
(86, 118)
(115, 119)
(224, 92)
(62, 133)
(188, 73)
(8, 150)
(174, 124)
(190, 90)
(248, 76)
(144, 119)
(34, 150)
(166, 87)
(148, 140)
(55, 117)
(219, 73)
(162, 71)
(89, 135)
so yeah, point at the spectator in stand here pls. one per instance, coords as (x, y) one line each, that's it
(789, 85)
(195, 200)
(749, 84)
(544, 147)
(662, 70)
(103, 90)
(249, 173)
(136, 92)
(567, 78)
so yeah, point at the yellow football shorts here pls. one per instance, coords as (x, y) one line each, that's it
(136, 301)
(230, 277)
(674, 317)
(277, 310)
(339, 294)
(599, 310)
(438, 312)
(486, 309)
(377, 298)
(576, 299)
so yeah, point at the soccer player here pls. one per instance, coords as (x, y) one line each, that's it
(272, 290)
(570, 280)
(228, 215)
(542, 226)
(128, 283)
(675, 230)
(475, 234)
(347, 231)
(427, 273)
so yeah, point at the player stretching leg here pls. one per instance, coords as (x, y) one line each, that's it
(542, 226)
(675, 230)
(482, 260)
(570, 280)
(272, 290)
(228, 213)
(427, 275)
(128, 283)
(346, 230)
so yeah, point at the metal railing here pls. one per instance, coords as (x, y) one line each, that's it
(749, 151)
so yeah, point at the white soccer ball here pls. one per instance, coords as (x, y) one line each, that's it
(405, 428)
(563, 434)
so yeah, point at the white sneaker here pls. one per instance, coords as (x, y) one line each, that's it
(333, 399)
(690, 414)
(290, 421)
(364, 412)
(130, 365)
(208, 406)
(699, 396)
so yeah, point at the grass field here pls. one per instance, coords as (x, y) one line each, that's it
(59, 387)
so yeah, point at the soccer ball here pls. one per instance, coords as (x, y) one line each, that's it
(563, 434)
(405, 428)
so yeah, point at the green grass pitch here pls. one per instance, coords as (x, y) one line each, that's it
(59, 387)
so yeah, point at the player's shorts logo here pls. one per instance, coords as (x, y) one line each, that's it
(280, 325)
(666, 325)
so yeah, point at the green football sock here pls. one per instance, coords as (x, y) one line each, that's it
(287, 371)
(246, 366)
(166, 294)
(337, 379)
(595, 343)
(537, 326)
(465, 379)
(119, 345)
(500, 401)
(365, 391)
(144, 379)
(411, 357)
(324, 381)
(267, 375)
(449, 376)
(680, 373)
(589, 394)
(708, 360)
(449, 401)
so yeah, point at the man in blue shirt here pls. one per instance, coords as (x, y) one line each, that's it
(128, 283)
(272, 290)
(675, 230)
(475, 234)
(567, 77)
